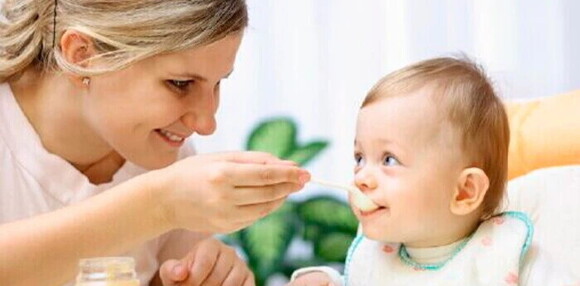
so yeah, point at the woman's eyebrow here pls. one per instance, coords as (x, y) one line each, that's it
(199, 77)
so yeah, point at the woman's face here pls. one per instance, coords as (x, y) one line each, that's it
(145, 112)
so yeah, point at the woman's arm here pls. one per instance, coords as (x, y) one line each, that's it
(208, 193)
(544, 133)
(45, 250)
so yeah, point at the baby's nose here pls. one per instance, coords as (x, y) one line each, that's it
(365, 181)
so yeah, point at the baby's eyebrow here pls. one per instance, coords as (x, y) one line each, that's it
(386, 141)
(380, 140)
(393, 146)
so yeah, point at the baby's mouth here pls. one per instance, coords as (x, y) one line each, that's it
(371, 212)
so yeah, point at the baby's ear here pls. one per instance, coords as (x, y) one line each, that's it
(472, 184)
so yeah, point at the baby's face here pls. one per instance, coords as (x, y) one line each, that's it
(408, 161)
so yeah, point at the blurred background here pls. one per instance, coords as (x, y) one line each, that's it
(314, 60)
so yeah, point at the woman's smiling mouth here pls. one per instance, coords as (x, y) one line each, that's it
(173, 139)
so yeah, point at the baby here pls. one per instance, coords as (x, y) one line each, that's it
(431, 151)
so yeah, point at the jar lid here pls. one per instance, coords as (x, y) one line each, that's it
(106, 268)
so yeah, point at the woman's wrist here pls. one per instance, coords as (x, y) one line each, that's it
(159, 208)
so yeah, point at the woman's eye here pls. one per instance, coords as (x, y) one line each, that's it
(180, 84)
(358, 159)
(391, 161)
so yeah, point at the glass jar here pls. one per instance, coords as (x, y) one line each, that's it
(107, 271)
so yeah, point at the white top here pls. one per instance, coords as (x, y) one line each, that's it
(34, 181)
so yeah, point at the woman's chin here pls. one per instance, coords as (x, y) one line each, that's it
(153, 163)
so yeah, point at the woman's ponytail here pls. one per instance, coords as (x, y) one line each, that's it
(26, 27)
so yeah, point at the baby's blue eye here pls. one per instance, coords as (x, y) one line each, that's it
(358, 159)
(391, 161)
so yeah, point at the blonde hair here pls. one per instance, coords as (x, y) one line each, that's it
(465, 94)
(123, 31)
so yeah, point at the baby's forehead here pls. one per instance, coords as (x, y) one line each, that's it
(415, 117)
(421, 108)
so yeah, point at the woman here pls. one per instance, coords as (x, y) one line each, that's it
(93, 94)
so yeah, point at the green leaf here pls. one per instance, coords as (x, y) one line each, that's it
(266, 241)
(231, 239)
(311, 232)
(303, 154)
(333, 247)
(329, 213)
(275, 136)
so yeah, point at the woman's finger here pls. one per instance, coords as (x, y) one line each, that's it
(204, 261)
(247, 215)
(237, 275)
(244, 196)
(251, 175)
(222, 268)
(173, 272)
(258, 211)
(250, 280)
(255, 157)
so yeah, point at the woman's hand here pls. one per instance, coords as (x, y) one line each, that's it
(221, 193)
(210, 263)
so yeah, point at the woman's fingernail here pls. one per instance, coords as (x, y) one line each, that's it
(304, 178)
(178, 269)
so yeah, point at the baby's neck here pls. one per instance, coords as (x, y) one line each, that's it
(437, 254)
(447, 245)
(458, 230)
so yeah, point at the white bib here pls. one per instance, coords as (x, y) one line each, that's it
(491, 256)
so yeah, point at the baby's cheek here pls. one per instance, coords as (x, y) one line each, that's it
(350, 198)
(415, 210)
(411, 198)
(356, 213)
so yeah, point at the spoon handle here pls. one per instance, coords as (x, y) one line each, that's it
(333, 185)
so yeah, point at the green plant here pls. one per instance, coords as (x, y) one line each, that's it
(322, 221)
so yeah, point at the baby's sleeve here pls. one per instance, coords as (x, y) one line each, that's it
(334, 275)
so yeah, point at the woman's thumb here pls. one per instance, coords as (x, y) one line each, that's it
(172, 271)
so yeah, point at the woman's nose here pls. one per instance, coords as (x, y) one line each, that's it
(200, 115)
(202, 124)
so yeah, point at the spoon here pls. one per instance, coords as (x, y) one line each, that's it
(360, 200)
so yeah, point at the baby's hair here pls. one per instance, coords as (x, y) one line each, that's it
(123, 31)
(464, 93)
